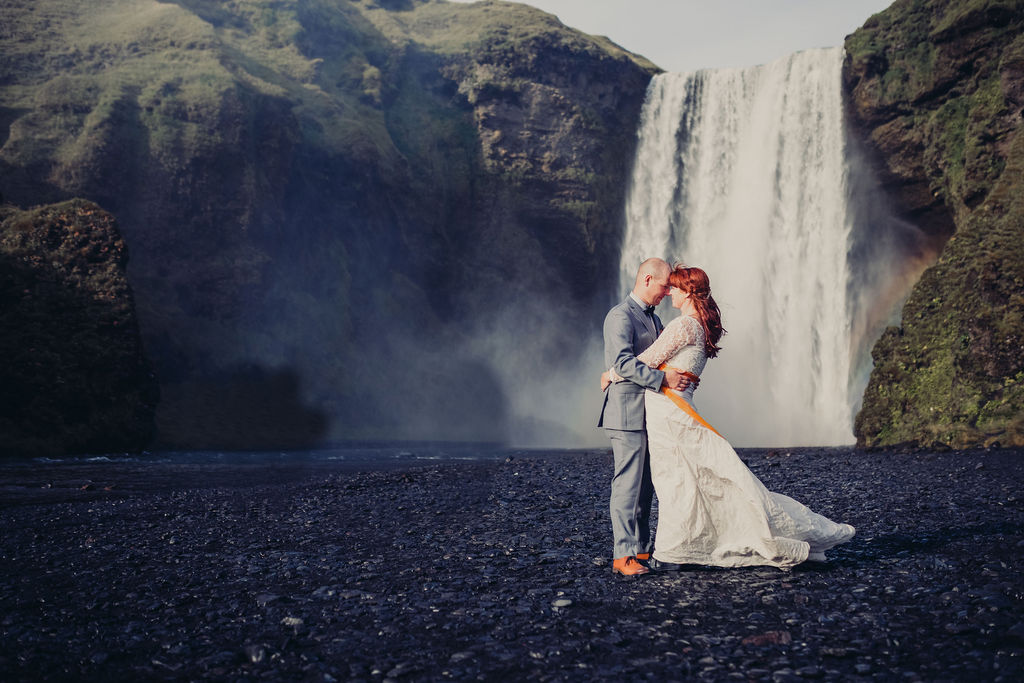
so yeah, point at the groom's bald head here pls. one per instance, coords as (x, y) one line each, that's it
(653, 266)
(652, 280)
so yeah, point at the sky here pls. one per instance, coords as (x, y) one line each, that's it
(686, 35)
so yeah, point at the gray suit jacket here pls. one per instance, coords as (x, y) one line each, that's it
(628, 330)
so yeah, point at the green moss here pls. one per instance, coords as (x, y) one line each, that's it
(969, 12)
(74, 377)
(951, 375)
(982, 163)
(582, 210)
(576, 174)
(950, 123)
(939, 76)
(863, 47)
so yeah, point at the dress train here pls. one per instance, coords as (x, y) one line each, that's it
(712, 510)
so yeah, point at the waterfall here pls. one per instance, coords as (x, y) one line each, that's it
(747, 173)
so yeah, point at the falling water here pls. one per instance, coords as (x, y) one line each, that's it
(747, 173)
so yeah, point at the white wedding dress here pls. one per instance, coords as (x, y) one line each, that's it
(712, 510)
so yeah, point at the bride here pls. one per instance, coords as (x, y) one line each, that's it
(712, 510)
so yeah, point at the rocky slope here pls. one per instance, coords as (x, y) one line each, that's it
(339, 212)
(73, 376)
(937, 89)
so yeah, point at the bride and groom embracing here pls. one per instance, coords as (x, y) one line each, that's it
(712, 510)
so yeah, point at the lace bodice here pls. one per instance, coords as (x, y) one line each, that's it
(681, 345)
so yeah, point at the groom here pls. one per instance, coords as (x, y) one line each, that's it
(629, 329)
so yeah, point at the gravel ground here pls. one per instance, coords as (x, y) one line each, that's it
(497, 570)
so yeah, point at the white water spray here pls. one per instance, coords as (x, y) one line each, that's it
(746, 174)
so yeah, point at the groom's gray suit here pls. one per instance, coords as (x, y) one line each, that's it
(628, 330)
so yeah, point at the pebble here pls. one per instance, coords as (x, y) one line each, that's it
(255, 653)
(499, 570)
(265, 599)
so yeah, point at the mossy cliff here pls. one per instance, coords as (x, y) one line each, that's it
(73, 376)
(341, 214)
(937, 89)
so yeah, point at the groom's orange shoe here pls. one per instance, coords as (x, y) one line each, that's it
(628, 566)
(643, 556)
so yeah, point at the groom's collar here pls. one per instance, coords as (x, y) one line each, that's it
(638, 301)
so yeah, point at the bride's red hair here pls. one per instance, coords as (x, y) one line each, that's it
(695, 282)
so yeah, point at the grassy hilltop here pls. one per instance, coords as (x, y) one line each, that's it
(320, 196)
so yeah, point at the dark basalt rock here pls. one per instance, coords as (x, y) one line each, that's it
(74, 377)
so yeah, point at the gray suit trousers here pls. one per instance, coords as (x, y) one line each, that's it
(632, 492)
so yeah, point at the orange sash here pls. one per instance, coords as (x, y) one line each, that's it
(686, 407)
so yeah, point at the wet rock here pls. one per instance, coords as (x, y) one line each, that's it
(255, 653)
(809, 672)
(401, 669)
(265, 599)
(769, 638)
(293, 622)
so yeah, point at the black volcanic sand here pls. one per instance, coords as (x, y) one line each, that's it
(497, 570)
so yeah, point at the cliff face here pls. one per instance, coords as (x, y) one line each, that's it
(937, 89)
(73, 377)
(339, 212)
